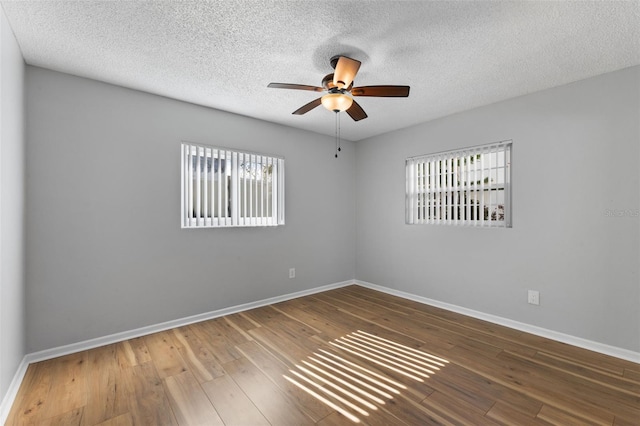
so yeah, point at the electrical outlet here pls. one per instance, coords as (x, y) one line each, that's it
(292, 272)
(533, 297)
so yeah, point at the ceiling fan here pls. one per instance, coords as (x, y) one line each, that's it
(339, 90)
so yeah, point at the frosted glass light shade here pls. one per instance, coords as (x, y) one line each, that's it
(336, 102)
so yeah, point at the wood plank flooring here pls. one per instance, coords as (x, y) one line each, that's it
(351, 355)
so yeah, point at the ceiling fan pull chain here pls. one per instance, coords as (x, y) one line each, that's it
(339, 135)
(336, 134)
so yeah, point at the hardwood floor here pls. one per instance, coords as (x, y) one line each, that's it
(338, 357)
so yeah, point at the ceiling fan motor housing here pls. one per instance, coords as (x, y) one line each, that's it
(327, 83)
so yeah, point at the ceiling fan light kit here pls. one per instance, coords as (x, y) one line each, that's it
(337, 102)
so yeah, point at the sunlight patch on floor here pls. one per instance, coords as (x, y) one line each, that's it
(354, 389)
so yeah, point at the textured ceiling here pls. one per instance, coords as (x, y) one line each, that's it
(222, 54)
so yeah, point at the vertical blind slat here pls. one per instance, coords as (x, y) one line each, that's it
(450, 191)
(214, 188)
(468, 184)
(432, 197)
(462, 201)
(443, 185)
(447, 201)
(439, 189)
(206, 186)
(245, 174)
(218, 197)
(192, 152)
(416, 195)
(227, 188)
(254, 199)
(184, 157)
(190, 184)
(481, 195)
(244, 188)
(476, 194)
(455, 190)
(271, 200)
(262, 192)
(257, 193)
(425, 192)
(414, 190)
(276, 192)
(228, 183)
(420, 194)
(234, 188)
(250, 197)
(198, 186)
(408, 207)
(281, 193)
(489, 184)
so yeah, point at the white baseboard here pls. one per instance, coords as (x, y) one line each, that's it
(46, 354)
(10, 396)
(602, 348)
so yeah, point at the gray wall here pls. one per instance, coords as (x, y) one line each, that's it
(12, 145)
(102, 258)
(105, 252)
(575, 232)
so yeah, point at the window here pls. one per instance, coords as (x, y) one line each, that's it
(469, 187)
(222, 188)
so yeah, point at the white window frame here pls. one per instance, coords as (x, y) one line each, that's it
(236, 202)
(441, 188)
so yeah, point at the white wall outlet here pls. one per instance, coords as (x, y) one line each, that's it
(292, 272)
(533, 297)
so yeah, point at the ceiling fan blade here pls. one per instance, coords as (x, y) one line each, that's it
(356, 112)
(295, 87)
(345, 72)
(308, 107)
(381, 91)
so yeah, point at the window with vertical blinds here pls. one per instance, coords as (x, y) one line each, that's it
(470, 187)
(223, 188)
